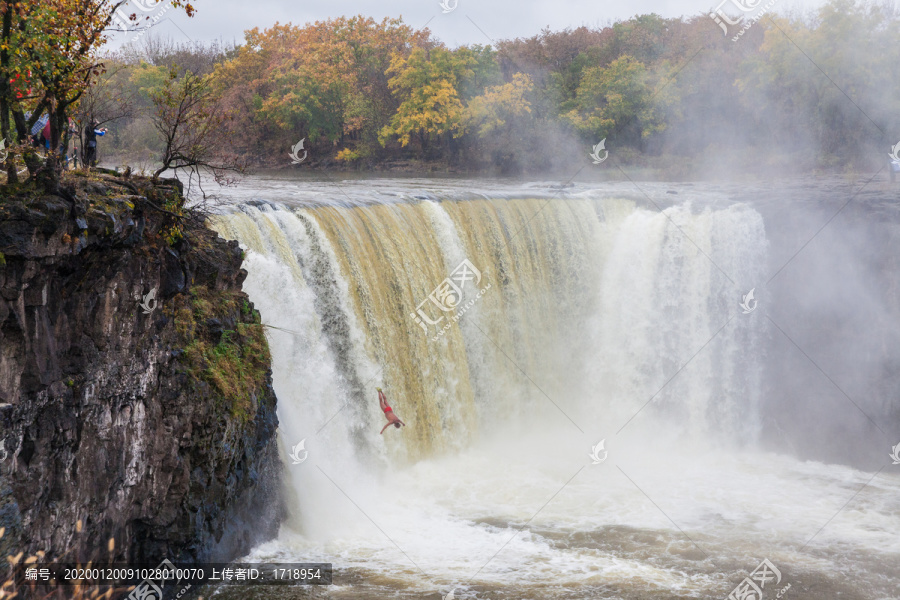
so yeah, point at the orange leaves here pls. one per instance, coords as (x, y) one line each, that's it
(323, 80)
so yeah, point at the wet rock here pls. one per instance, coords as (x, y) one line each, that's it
(215, 329)
(102, 420)
(174, 280)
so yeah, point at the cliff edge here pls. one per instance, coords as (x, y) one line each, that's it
(135, 384)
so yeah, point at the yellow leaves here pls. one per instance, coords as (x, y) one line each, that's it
(427, 80)
(434, 108)
(347, 155)
(58, 41)
(498, 104)
(321, 78)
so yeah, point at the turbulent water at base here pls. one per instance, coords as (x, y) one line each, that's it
(587, 318)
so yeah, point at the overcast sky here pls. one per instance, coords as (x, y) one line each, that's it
(470, 22)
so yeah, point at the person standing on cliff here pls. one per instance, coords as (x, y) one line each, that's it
(388, 412)
(90, 143)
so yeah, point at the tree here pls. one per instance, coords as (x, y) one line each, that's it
(16, 85)
(55, 44)
(502, 122)
(427, 82)
(106, 100)
(616, 101)
(845, 115)
(197, 57)
(500, 107)
(482, 70)
(196, 129)
(325, 81)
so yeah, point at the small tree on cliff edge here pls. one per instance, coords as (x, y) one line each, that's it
(197, 131)
(53, 45)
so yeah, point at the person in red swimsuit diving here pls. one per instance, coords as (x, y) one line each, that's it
(388, 412)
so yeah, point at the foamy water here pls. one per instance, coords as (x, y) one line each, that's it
(605, 320)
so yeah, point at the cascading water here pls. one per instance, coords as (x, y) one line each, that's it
(582, 319)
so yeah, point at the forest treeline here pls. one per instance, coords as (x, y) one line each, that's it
(810, 92)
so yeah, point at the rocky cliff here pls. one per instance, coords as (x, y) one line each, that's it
(135, 391)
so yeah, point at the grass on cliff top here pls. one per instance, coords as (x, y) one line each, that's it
(237, 366)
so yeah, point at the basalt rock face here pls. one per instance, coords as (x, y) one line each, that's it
(135, 391)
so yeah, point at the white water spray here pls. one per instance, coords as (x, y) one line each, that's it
(603, 321)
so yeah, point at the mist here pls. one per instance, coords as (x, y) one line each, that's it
(671, 98)
(614, 394)
(607, 308)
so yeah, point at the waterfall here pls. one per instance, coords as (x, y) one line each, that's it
(513, 333)
(583, 309)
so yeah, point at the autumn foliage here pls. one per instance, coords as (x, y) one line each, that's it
(49, 56)
(663, 93)
(667, 91)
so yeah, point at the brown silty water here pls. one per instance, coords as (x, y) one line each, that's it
(600, 313)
